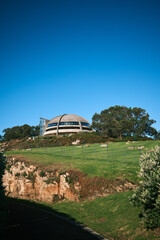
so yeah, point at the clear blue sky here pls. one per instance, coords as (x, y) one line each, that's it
(80, 56)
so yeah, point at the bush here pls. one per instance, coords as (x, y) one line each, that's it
(2, 194)
(147, 195)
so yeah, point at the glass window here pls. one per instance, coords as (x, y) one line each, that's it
(52, 124)
(85, 124)
(85, 128)
(69, 123)
(68, 128)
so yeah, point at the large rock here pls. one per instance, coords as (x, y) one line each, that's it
(26, 182)
(29, 182)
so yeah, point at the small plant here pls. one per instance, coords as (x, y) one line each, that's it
(55, 198)
(62, 172)
(8, 167)
(17, 174)
(22, 167)
(73, 177)
(24, 174)
(42, 174)
(52, 180)
(147, 195)
(32, 178)
(48, 181)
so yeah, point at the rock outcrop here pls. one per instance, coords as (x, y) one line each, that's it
(26, 181)
(29, 182)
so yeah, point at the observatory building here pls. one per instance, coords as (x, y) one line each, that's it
(63, 124)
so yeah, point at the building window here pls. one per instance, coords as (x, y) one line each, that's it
(85, 128)
(51, 129)
(68, 128)
(51, 125)
(69, 123)
(85, 124)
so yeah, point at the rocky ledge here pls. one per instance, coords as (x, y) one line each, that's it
(22, 180)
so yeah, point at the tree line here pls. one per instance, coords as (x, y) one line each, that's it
(19, 132)
(121, 121)
(116, 122)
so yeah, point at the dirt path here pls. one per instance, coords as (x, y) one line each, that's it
(29, 222)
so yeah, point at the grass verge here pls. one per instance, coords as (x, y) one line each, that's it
(112, 216)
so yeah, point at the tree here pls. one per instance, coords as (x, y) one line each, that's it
(19, 132)
(147, 195)
(141, 124)
(111, 121)
(157, 135)
(120, 121)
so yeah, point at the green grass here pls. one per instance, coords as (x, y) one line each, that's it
(111, 162)
(113, 216)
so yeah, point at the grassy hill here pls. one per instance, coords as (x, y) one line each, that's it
(112, 216)
(109, 160)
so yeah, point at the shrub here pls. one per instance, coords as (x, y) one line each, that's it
(2, 195)
(147, 195)
(24, 174)
(42, 174)
(17, 174)
(32, 178)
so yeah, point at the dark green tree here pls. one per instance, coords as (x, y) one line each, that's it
(141, 124)
(120, 121)
(19, 132)
(157, 135)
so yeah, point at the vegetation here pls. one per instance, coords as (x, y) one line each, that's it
(120, 121)
(2, 195)
(112, 216)
(19, 132)
(147, 195)
(66, 140)
(114, 122)
(115, 160)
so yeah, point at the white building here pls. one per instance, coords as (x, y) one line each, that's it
(66, 123)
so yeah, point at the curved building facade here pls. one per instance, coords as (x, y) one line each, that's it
(67, 123)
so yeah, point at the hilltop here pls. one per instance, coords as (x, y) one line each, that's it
(63, 140)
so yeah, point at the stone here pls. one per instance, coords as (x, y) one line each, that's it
(104, 145)
(141, 147)
(76, 142)
(25, 182)
(130, 148)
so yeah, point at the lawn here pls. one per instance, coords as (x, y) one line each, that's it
(113, 216)
(115, 160)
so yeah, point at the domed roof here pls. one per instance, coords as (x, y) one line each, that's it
(68, 118)
(66, 123)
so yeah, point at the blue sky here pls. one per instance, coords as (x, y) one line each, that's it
(80, 56)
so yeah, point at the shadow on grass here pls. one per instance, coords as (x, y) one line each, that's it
(31, 220)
